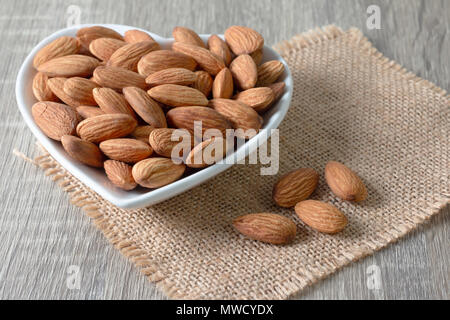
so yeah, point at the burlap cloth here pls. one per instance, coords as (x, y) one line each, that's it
(350, 104)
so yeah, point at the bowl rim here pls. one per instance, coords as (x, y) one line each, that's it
(153, 196)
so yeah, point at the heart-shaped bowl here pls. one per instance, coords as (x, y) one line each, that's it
(96, 178)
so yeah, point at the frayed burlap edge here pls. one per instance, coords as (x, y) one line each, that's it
(80, 197)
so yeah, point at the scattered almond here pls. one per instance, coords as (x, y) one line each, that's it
(266, 227)
(120, 174)
(84, 151)
(295, 186)
(321, 216)
(344, 183)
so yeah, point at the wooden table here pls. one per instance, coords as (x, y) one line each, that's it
(42, 234)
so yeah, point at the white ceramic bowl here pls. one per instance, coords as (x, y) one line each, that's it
(96, 178)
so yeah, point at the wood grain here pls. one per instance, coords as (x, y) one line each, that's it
(42, 234)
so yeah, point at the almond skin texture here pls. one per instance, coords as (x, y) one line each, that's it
(243, 40)
(178, 76)
(259, 99)
(223, 84)
(164, 59)
(41, 90)
(277, 89)
(120, 174)
(126, 150)
(75, 65)
(128, 56)
(133, 36)
(110, 102)
(207, 153)
(238, 114)
(269, 72)
(88, 111)
(60, 47)
(185, 35)
(205, 58)
(55, 119)
(118, 78)
(184, 118)
(344, 183)
(142, 133)
(103, 48)
(89, 34)
(105, 127)
(219, 48)
(321, 216)
(266, 227)
(257, 56)
(295, 186)
(157, 172)
(244, 72)
(178, 96)
(80, 90)
(56, 85)
(147, 108)
(161, 141)
(203, 82)
(83, 151)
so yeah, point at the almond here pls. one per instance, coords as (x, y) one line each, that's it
(244, 72)
(59, 47)
(205, 58)
(128, 56)
(178, 96)
(88, 34)
(157, 172)
(83, 151)
(118, 78)
(259, 99)
(105, 127)
(266, 227)
(219, 48)
(185, 35)
(41, 90)
(179, 76)
(56, 85)
(321, 216)
(269, 72)
(133, 36)
(55, 119)
(164, 59)
(203, 82)
(75, 65)
(119, 173)
(88, 111)
(207, 153)
(185, 117)
(103, 48)
(257, 56)
(142, 133)
(243, 40)
(295, 186)
(80, 90)
(223, 84)
(277, 89)
(110, 102)
(239, 115)
(162, 143)
(344, 183)
(148, 109)
(126, 150)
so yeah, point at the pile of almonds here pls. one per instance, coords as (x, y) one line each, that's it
(293, 190)
(114, 101)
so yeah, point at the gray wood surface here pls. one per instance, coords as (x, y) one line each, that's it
(42, 234)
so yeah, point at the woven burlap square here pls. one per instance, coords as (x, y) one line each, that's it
(350, 104)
